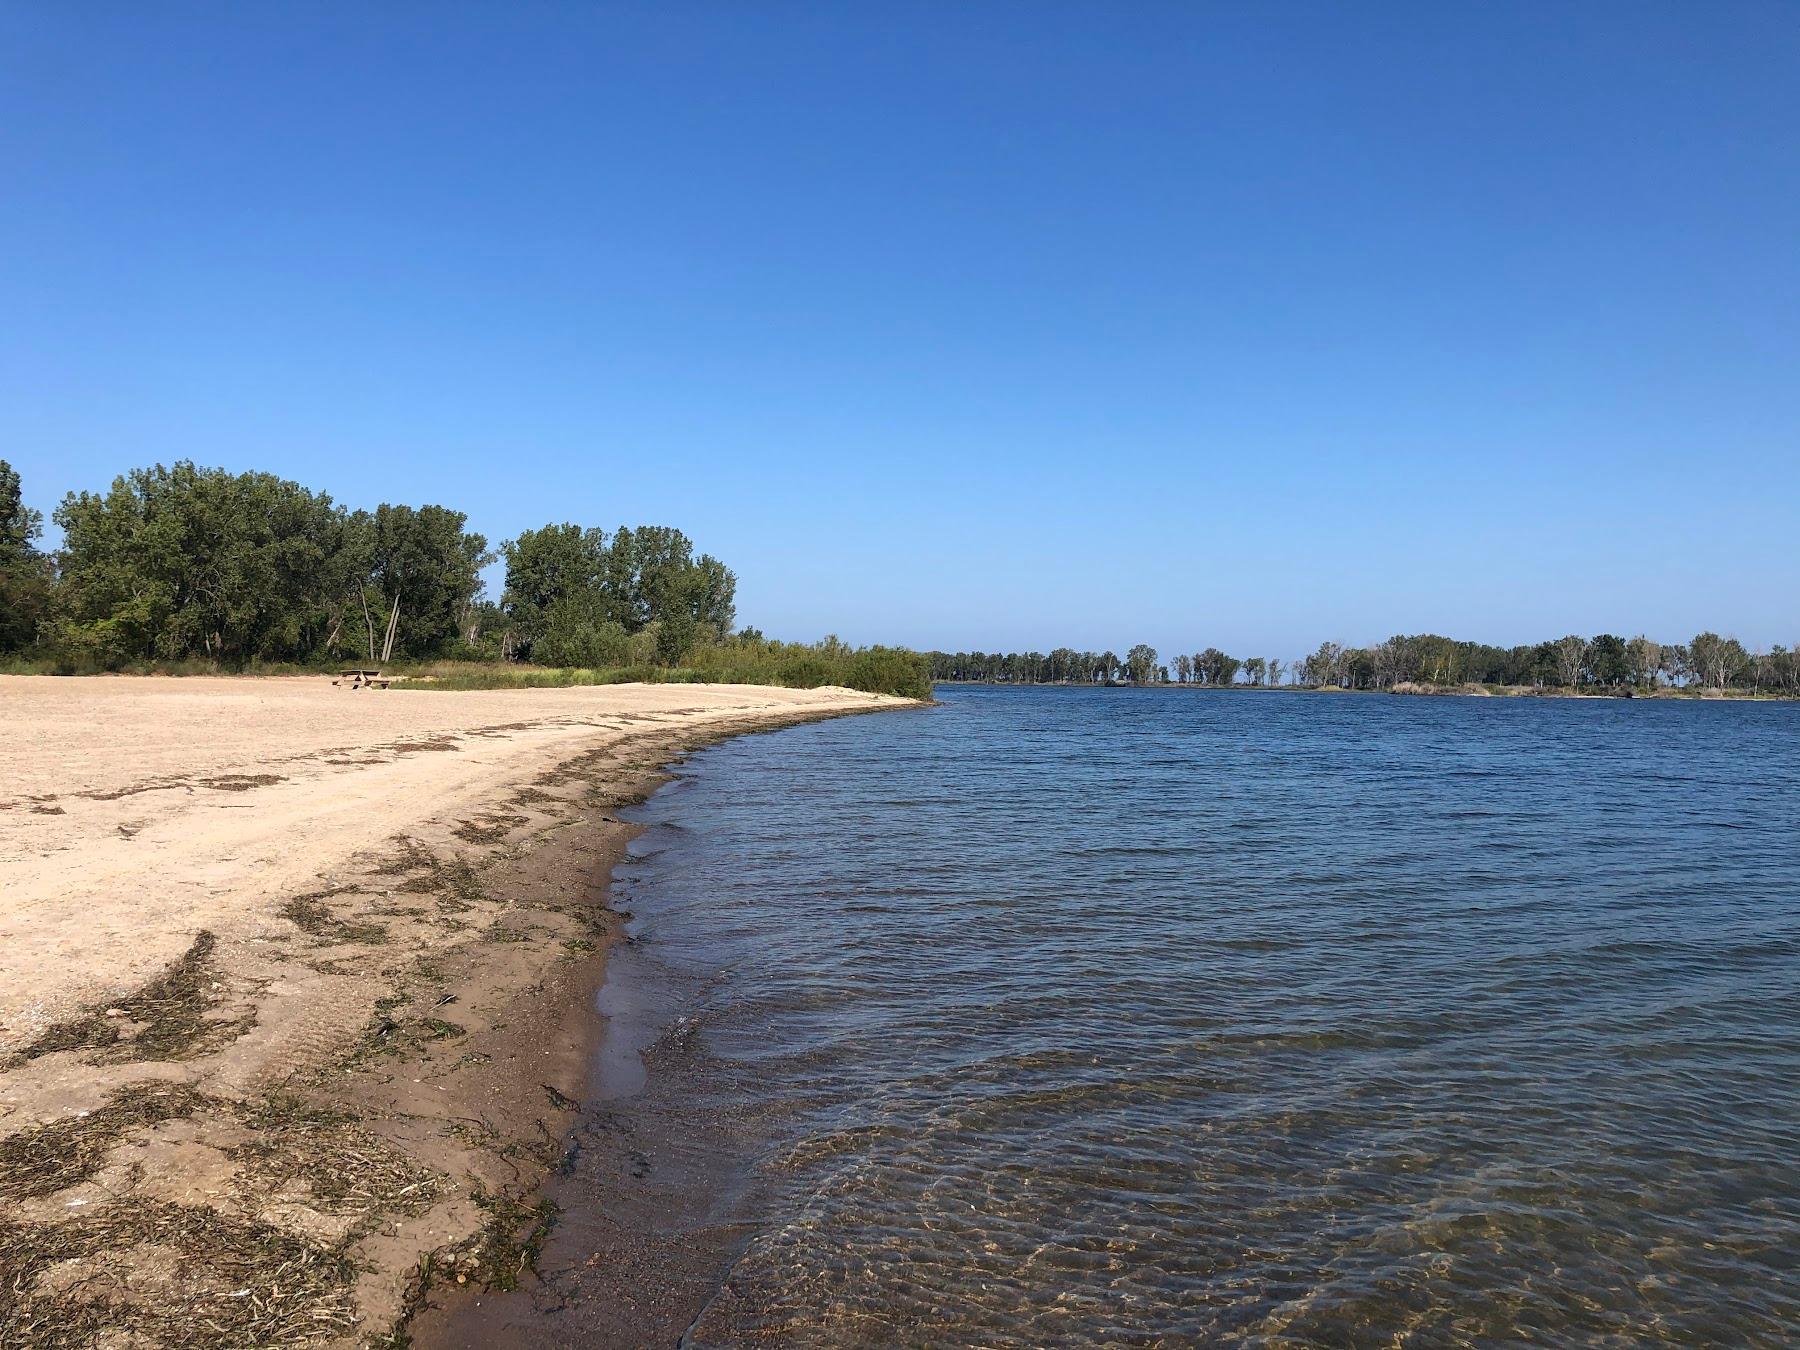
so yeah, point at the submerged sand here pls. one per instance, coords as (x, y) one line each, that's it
(292, 985)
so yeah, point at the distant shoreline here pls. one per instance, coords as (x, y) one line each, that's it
(1407, 690)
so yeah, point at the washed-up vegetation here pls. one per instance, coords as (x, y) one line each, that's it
(171, 1017)
(189, 570)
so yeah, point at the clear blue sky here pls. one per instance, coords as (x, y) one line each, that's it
(995, 325)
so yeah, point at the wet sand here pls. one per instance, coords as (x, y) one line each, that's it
(654, 1197)
(295, 987)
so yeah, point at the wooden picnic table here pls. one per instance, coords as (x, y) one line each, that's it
(359, 677)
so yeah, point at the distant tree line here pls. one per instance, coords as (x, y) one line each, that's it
(182, 563)
(1139, 665)
(1605, 663)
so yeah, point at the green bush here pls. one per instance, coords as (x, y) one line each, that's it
(737, 660)
(574, 639)
(890, 670)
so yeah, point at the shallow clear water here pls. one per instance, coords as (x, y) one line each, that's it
(1163, 1016)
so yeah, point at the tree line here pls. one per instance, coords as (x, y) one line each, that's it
(1065, 665)
(1603, 663)
(183, 563)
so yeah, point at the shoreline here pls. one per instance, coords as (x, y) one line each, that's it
(615, 1282)
(354, 1105)
(647, 1201)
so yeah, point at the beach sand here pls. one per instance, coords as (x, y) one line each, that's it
(295, 986)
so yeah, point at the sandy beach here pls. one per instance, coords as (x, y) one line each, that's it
(293, 986)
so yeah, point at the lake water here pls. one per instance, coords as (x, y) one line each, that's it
(1068, 1016)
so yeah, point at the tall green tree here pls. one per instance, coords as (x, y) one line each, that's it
(558, 564)
(653, 576)
(424, 564)
(25, 573)
(1214, 667)
(1140, 661)
(580, 592)
(20, 526)
(1325, 667)
(181, 561)
(1608, 661)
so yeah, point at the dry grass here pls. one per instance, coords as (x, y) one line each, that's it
(392, 1033)
(436, 743)
(158, 1273)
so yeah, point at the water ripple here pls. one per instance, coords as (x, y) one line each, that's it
(1154, 1018)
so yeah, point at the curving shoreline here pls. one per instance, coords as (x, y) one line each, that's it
(297, 988)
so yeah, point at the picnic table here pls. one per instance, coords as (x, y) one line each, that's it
(359, 678)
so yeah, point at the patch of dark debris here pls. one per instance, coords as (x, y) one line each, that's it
(314, 917)
(452, 879)
(344, 1168)
(506, 1248)
(435, 743)
(45, 1159)
(241, 782)
(489, 829)
(172, 1017)
(395, 1031)
(151, 1272)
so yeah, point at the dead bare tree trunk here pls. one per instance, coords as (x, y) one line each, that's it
(387, 646)
(368, 618)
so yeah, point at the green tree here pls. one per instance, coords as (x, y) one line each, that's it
(1140, 661)
(1608, 662)
(576, 631)
(1325, 667)
(1212, 666)
(653, 575)
(550, 565)
(24, 571)
(20, 526)
(183, 561)
(646, 580)
(424, 566)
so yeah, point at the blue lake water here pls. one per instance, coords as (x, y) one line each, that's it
(1157, 1017)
